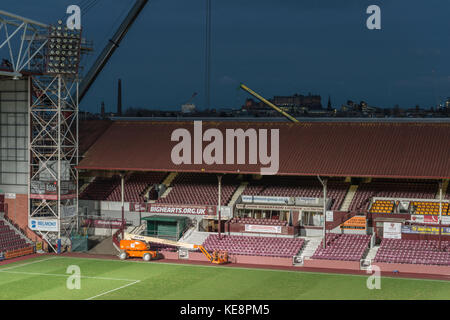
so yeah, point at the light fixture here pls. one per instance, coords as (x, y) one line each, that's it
(63, 50)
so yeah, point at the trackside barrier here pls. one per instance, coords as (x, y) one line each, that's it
(19, 252)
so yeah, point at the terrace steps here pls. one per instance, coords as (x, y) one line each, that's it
(372, 253)
(196, 237)
(237, 193)
(310, 247)
(444, 189)
(349, 197)
(168, 180)
(84, 186)
(166, 192)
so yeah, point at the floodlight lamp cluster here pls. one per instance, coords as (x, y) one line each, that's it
(63, 50)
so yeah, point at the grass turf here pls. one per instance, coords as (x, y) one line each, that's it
(45, 278)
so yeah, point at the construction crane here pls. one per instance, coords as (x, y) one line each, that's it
(109, 49)
(270, 104)
(135, 245)
(191, 98)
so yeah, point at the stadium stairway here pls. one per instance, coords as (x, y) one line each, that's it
(138, 229)
(168, 180)
(237, 193)
(166, 192)
(370, 255)
(84, 186)
(196, 237)
(444, 189)
(311, 246)
(349, 197)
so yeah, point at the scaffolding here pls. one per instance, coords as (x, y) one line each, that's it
(54, 156)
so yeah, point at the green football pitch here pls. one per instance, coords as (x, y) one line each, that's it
(46, 277)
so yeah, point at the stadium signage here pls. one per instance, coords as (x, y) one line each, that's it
(109, 224)
(217, 153)
(308, 201)
(43, 224)
(329, 216)
(262, 228)
(392, 230)
(271, 200)
(425, 230)
(429, 219)
(182, 209)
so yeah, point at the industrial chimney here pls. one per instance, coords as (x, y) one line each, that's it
(119, 98)
(102, 110)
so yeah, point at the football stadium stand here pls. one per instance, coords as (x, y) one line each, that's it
(100, 188)
(194, 188)
(134, 187)
(392, 189)
(413, 252)
(10, 240)
(348, 247)
(374, 178)
(382, 206)
(256, 246)
(429, 208)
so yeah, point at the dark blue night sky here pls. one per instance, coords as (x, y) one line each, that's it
(275, 47)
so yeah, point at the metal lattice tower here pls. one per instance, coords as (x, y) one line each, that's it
(54, 155)
(48, 56)
(54, 138)
(23, 40)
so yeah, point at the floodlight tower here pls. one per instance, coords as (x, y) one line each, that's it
(53, 146)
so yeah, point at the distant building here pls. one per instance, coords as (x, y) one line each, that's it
(295, 104)
(298, 101)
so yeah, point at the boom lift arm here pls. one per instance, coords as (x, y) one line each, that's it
(214, 259)
(270, 104)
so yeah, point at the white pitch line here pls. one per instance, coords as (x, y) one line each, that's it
(25, 264)
(260, 269)
(101, 294)
(66, 275)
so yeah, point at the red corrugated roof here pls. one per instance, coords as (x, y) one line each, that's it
(89, 132)
(359, 149)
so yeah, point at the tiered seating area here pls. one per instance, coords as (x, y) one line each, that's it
(9, 239)
(201, 189)
(270, 222)
(135, 185)
(382, 206)
(432, 208)
(348, 247)
(284, 186)
(109, 189)
(413, 252)
(392, 189)
(100, 188)
(256, 246)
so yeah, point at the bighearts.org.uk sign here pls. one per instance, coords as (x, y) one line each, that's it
(43, 224)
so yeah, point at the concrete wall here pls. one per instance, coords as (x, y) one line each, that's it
(331, 264)
(234, 258)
